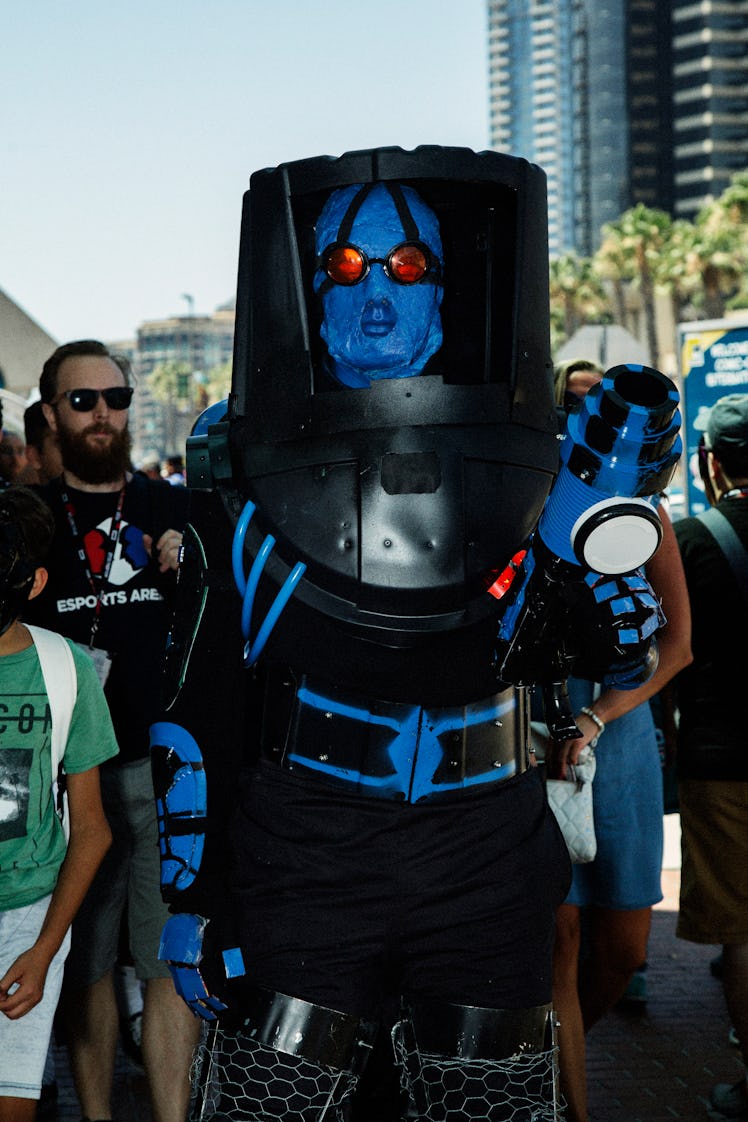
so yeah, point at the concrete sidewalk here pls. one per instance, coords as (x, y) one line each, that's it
(651, 1064)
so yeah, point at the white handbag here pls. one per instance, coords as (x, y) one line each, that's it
(570, 799)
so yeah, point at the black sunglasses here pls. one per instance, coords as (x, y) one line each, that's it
(83, 401)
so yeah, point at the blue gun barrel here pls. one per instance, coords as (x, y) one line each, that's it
(620, 449)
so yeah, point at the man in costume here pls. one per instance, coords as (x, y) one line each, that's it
(350, 822)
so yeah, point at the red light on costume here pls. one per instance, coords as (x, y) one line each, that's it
(504, 580)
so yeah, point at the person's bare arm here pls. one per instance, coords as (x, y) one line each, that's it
(90, 837)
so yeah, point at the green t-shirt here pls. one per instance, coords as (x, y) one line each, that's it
(32, 842)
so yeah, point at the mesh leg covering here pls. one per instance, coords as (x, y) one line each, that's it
(308, 1073)
(463, 1064)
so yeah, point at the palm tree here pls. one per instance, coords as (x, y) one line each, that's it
(577, 297)
(631, 249)
(731, 208)
(671, 274)
(170, 382)
(723, 261)
(218, 383)
(612, 264)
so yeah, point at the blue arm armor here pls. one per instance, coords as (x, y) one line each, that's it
(181, 805)
(598, 527)
(629, 615)
(181, 949)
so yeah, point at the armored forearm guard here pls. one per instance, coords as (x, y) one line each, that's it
(181, 805)
(619, 451)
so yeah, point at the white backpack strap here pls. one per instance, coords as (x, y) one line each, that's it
(61, 684)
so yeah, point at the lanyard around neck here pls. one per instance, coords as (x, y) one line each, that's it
(96, 584)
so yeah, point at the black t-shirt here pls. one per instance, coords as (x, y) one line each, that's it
(712, 738)
(135, 596)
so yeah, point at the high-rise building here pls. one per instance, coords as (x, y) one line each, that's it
(622, 102)
(710, 98)
(624, 49)
(531, 91)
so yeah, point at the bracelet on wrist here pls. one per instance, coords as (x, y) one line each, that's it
(596, 720)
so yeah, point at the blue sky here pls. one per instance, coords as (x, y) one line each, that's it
(128, 132)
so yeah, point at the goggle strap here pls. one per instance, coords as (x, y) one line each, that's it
(407, 220)
(354, 206)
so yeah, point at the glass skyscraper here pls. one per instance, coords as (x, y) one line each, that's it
(621, 102)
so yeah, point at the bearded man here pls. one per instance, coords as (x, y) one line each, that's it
(111, 580)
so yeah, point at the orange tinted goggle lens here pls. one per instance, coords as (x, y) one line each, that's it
(345, 264)
(407, 264)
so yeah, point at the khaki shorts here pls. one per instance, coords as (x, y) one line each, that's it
(714, 873)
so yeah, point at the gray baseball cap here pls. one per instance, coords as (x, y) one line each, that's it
(726, 423)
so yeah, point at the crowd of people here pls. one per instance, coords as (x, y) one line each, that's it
(109, 564)
(34, 457)
(90, 549)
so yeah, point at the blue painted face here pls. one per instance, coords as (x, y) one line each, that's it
(378, 328)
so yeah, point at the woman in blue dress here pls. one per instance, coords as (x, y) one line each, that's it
(617, 889)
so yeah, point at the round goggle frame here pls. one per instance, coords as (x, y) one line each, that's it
(407, 263)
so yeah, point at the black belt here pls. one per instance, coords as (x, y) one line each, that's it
(393, 750)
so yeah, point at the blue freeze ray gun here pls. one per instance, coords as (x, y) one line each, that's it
(579, 599)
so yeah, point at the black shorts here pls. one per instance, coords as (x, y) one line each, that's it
(346, 901)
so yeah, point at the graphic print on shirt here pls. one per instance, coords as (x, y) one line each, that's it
(22, 717)
(130, 555)
(15, 766)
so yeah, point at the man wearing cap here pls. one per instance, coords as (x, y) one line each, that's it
(712, 755)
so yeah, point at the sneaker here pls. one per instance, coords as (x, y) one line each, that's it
(636, 991)
(730, 1099)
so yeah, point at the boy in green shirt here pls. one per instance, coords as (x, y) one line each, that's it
(43, 878)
